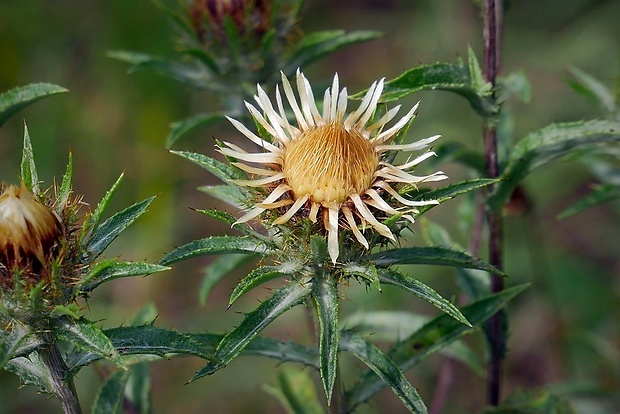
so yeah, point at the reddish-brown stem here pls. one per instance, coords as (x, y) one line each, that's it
(491, 19)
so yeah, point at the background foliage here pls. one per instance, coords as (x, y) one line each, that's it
(564, 331)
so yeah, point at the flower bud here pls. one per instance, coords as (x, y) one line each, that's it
(29, 230)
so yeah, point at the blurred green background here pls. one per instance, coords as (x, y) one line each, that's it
(564, 331)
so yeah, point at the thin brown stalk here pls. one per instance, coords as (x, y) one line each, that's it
(491, 33)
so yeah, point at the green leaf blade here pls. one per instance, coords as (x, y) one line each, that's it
(110, 229)
(109, 400)
(184, 126)
(86, 336)
(385, 368)
(214, 245)
(110, 270)
(436, 255)
(221, 170)
(424, 292)
(28, 169)
(19, 98)
(325, 296)
(547, 144)
(254, 322)
(261, 275)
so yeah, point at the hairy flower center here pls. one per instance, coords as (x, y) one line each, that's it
(329, 163)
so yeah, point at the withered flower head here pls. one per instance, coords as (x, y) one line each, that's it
(28, 229)
(330, 166)
(246, 15)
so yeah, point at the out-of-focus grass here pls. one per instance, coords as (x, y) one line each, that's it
(114, 122)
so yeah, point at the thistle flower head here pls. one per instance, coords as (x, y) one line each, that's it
(329, 166)
(29, 230)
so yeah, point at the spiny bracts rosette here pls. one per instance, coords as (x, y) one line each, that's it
(330, 165)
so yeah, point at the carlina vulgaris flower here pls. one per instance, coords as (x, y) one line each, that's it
(29, 231)
(330, 165)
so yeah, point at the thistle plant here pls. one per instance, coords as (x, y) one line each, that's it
(333, 205)
(50, 262)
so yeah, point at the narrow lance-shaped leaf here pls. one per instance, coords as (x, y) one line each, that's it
(95, 218)
(65, 187)
(111, 269)
(227, 193)
(419, 289)
(145, 340)
(365, 271)
(318, 44)
(218, 270)
(184, 126)
(385, 368)
(110, 397)
(432, 337)
(18, 342)
(325, 296)
(28, 168)
(105, 234)
(446, 193)
(261, 275)
(221, 170)
(441, 256)
(593, 89)
(214, 245)
(19, 98)
(548, 144)
(85, 335)
(601, 194)
(236, 340)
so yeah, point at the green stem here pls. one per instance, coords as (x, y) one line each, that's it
(494, 218)
(64, 389)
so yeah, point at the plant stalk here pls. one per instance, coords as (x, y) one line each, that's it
(64, 389)
(491, 32)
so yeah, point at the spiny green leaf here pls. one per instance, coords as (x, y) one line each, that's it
(261, 275)
(218, 270)
(444, 194)
(18, 98)
(601, 194)
(265, 347)
(441, 256)
(86, 336)
(141, 340)
(109, 270)
(222, 216)
(439, 76)
(95, 218)
(32, 371)
(221, 170)
(318, 44)
(419, 289)
(516, 83)
(72, 310)
(432, 337)
(296, 392)
(65, 187)
(394, 326)
(366, 271)
(214, 245)
(182, 127)
(28, 168)
(236, 340)
(546, 145)
(18, 342)
(105, 234)
(227, 193)
(325, 296)
(385, 368)
(109, 400)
